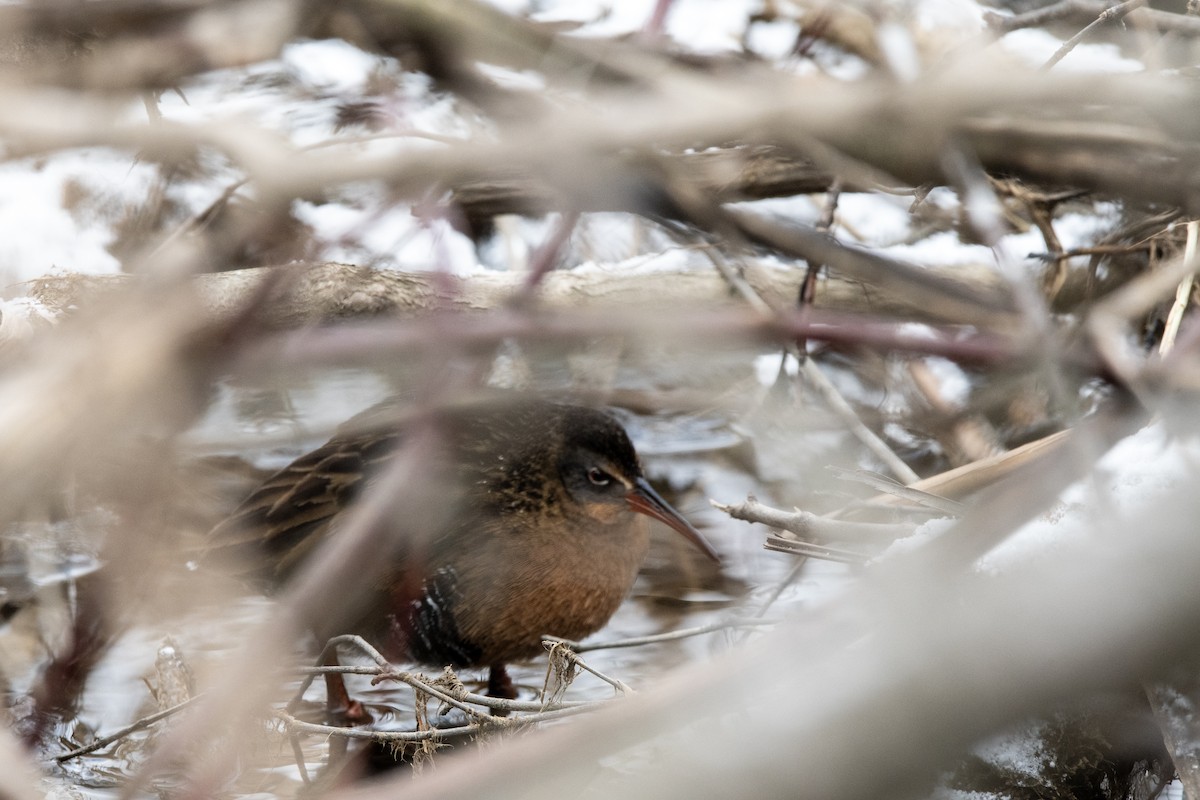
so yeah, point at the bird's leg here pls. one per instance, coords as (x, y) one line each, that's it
(338, 705)
(501, 686)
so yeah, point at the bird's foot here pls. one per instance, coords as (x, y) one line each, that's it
(340, 709)
(347, 714)
(500, 686)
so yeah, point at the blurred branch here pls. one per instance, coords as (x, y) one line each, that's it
(1109, 143)
(326, 292)
(19, 776)
(367, 343)
(113, 45)
(938, 659)
(726, 175)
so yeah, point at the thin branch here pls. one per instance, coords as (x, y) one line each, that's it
(560, 650)
(1183, 295)
(809, 525)
(638, 641)
(483, 723)
(823, 552)
(1112, 14)
(838, 404)
(913, 495)
(116, 736)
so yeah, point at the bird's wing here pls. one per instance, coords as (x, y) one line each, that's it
(285, 518)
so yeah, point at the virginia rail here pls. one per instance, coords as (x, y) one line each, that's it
(546, 537)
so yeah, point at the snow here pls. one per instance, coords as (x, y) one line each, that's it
(953, 384)
(944, 250)
(1035, 46)
(766, 367)
(879, 220)
(708, 26)
(298, 96)
(960, 16)
(58, 213)
(365, 234)
(1125, 486)
(332, 65)
(666, 261)
(1017, 749)
(773, 40)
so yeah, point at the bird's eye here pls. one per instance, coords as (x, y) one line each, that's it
(599, 477)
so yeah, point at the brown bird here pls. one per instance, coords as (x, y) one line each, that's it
(546, 536)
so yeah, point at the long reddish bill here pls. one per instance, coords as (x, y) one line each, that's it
(643, 499)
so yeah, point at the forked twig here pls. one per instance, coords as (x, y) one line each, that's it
(809, 525)
(560, 651)
(1106, 16)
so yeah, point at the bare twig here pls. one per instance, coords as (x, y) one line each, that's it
(809, 525)
(823, 552)
(1111, 14)
(134, 727)
(833, 398)
(1183, 294)
(638, 641)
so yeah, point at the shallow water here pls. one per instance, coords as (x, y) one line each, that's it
(690, 457)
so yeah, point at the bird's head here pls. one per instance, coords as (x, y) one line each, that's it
(601, 473)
